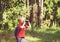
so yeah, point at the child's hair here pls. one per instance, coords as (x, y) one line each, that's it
(21, 18)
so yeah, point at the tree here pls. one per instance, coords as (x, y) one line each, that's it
(31, 11)
(50, 10)
(39, 13)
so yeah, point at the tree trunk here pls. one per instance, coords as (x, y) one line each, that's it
(2, 8)
(27, 3)
(27, 6)
(31, 11)
(38, 13)
(54, 14)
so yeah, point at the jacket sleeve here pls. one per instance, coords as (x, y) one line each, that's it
(26, 26)
(20, 26)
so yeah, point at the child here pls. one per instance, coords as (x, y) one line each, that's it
(21, 28)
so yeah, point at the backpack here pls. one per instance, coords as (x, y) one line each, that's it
(16, 30)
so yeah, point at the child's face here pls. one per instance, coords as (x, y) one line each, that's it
(21, 19)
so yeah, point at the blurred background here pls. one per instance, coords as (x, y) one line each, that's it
(44, 16)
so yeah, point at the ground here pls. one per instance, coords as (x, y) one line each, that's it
(39, 35)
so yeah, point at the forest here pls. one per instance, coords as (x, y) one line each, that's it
(44, 16)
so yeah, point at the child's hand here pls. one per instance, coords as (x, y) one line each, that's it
(23, 26)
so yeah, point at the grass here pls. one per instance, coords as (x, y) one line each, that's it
(36, 35)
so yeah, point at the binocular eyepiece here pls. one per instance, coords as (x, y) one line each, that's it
(27, 22)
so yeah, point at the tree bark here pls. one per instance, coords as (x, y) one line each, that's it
(38, 13)
(2, 8)
(31, 11)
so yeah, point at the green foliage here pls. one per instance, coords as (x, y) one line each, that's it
(45, 24)
(52, 9)
(58, 15)
(13, 8)
(10, 15)
(43, 34)
(44, 10)
(49, 5)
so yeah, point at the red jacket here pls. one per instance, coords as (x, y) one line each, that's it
(21, 31)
